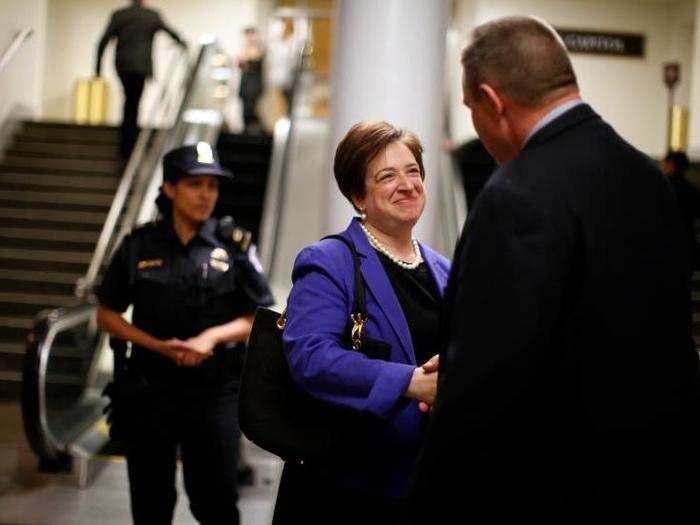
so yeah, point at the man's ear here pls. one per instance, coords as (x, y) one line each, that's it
(492, 97)
(169, 189)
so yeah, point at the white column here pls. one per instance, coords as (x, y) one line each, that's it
(389, 65)
(694, 131)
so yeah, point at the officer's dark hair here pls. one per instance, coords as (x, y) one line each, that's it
(164, 204)
(680, 161)
(362, 143)
(521, 56)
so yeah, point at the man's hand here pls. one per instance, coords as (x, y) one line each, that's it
(430, 367)
(432, 364)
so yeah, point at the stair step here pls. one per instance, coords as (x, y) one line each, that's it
(39, 224)
(40, 207)
(74, 165)
(39, 277)
(61, 132)
(37, 298)
(53, 215)
(54, 171)
(50, 235)
(17, 322)
(72, 181)
(22, 286)
(62, 150)
(43, 266)
(46, 255)
(90, 199)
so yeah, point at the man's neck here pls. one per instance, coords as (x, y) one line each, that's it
(529, 119)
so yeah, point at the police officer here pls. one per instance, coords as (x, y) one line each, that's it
(194, 284)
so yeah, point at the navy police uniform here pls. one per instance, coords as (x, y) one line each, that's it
(178, 291)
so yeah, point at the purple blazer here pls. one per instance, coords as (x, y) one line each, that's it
(318, 311)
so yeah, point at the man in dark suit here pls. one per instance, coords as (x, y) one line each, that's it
(568, 378)
(134, 28)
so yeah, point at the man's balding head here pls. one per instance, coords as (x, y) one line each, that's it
(522, 57)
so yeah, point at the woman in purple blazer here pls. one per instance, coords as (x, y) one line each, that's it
(379, 169)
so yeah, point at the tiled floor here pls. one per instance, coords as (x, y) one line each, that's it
(31, 498)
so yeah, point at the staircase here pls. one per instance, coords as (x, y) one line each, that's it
(57, 182)
(248, 158)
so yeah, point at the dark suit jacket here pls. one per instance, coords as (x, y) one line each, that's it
(134, 28)
(568, 375)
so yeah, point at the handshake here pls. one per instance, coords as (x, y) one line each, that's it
(423, 385)
(191, 352)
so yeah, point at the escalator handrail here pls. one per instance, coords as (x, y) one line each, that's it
(133, 166)
(47, 325)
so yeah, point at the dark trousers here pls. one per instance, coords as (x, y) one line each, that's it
(250, 114)
(308, 496)
(133, 89)
(205, 427)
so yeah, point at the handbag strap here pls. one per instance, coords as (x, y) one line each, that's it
(359, 306)
(359, 315)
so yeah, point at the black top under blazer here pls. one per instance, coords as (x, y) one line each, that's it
(568, 374)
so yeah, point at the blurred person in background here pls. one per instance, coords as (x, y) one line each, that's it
(134, 28)
(250, 61)
(282, 61)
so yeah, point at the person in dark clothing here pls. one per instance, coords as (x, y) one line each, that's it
(475, 165)
(675, 165)
(134, 28)
(250, 62)
(194, 284)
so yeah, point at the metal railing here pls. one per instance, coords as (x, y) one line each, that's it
(19, 39)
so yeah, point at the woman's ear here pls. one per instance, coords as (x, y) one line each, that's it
(359, 203)
(169, 190)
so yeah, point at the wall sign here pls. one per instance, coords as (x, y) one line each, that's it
(597, 43)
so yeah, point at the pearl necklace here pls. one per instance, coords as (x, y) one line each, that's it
(417, 260)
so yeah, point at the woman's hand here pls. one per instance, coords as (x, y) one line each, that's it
(423, 387)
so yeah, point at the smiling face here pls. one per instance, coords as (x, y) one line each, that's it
(394, 195)
(193, 197)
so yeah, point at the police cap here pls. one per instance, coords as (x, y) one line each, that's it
(198, 159)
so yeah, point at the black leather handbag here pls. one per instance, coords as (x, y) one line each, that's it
(274, 412)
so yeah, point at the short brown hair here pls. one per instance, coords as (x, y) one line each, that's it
(521, 56)
(362, 143)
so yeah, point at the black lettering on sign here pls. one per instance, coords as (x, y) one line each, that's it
(597, 43)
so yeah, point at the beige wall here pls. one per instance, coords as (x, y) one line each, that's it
(20, 81)
(75, 27)
(628, 92)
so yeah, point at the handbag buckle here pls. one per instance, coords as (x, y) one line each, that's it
(358, 326)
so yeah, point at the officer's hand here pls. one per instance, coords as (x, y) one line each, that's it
(202, 344)
(189, 358)
(172, 348)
